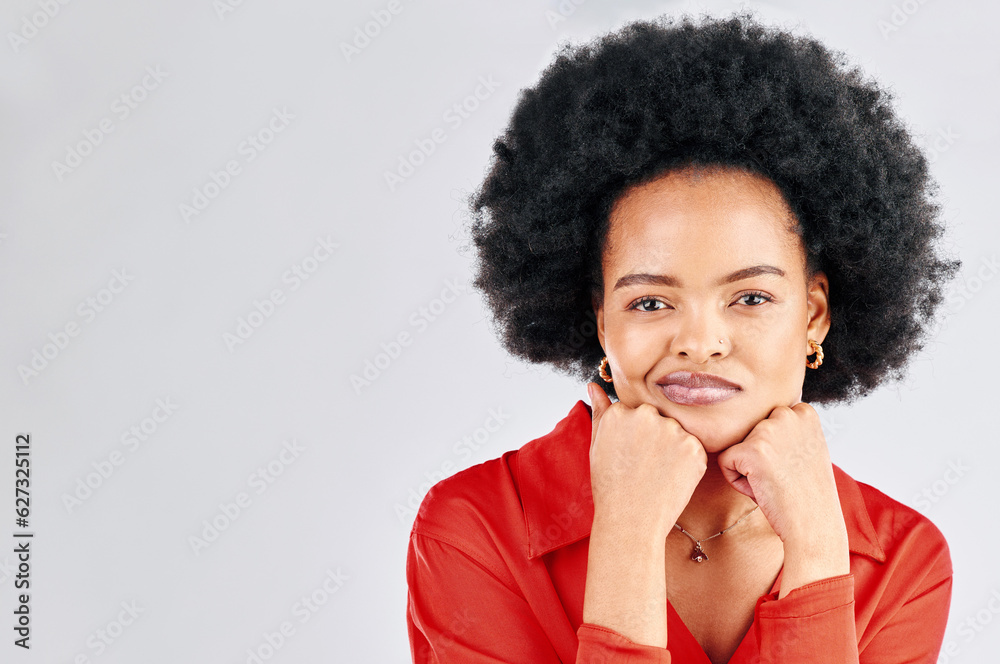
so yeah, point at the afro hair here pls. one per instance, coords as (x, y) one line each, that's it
(659, 95)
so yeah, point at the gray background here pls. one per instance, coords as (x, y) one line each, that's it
(341, 504)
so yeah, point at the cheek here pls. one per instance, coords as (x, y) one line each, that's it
(777, 358)
(637, 348)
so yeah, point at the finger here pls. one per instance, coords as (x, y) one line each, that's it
(743, 486)
(730, 461)
(599, 401)
(727, 463)
(599, 405)
(802, 408)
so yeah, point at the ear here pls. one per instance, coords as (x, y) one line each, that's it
(818, 308)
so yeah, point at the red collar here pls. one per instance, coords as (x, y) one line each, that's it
(553, 474)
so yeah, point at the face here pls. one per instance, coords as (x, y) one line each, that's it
(699, 256)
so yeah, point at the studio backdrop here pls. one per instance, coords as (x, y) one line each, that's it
(239, 340)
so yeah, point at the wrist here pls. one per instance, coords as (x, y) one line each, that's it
(806, 563)
(820, 540)
(628, 527)
(821, 529)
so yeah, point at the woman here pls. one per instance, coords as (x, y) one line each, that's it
(719, 224)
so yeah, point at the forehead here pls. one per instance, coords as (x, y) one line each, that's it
(716, 216)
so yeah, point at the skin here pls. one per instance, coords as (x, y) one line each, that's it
(655, 462)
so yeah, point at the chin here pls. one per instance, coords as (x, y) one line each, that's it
(714, 438)
(712, 425)
(716, 442)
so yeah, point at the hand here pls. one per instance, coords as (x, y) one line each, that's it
(784, 466)
(643, 467)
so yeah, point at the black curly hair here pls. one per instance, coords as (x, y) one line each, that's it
(660, 95)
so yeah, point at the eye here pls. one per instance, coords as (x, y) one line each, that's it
(641, 303)
(757, 295)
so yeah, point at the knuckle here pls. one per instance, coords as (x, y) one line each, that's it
(781, 411)
(808, 411)
(671, 426)
(614, 413)
(694, 448)
(647, 409)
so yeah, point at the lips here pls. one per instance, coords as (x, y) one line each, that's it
(692, 379)
(696, 389)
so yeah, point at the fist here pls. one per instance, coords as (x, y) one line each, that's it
(644, 467)
(784, 466)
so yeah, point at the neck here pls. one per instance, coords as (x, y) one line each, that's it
(714, 505)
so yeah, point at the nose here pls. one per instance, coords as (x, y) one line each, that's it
(698, 336)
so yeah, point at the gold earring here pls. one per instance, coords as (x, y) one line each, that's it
(604, 370)
(818, 350)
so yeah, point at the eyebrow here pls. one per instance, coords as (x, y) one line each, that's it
(668, 280)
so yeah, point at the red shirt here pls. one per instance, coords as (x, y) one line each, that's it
(497, 565)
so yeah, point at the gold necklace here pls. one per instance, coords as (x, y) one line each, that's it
(697, 554)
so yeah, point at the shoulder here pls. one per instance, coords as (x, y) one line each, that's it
(470, 518)
(466, 499)
(908, 539)
(496, 504)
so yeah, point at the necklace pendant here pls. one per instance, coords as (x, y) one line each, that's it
(698, 555)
